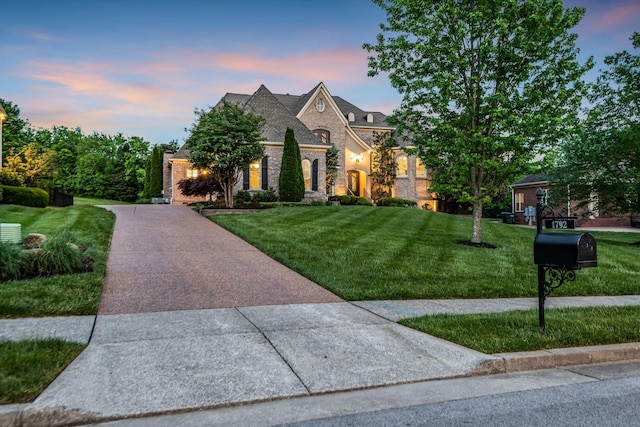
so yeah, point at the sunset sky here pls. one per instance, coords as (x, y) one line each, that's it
(141, 67)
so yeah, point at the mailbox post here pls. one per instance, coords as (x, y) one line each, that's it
(558, 256)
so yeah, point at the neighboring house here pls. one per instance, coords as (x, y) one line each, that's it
(318, 120)
(524, 195)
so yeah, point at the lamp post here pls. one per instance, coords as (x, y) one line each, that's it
(3, 117)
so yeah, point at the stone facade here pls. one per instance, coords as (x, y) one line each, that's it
(319, 120)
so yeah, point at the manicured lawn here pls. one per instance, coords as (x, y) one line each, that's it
(64, 295)
(90, 201)
(27, 367)
(518, 330)
(368, 253)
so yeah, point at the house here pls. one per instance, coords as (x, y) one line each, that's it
(319, 120)
(524, 195)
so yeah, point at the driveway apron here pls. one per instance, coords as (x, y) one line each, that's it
(166, 258)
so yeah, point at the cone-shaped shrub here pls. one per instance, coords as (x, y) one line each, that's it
(291, 180)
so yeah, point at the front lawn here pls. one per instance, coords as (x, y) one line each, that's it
(368, 253)
(27, 367)
(63, 295)
(518, 330)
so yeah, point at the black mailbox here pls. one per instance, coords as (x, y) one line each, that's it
(565, 250)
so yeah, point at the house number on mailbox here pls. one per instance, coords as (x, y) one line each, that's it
(560, 224)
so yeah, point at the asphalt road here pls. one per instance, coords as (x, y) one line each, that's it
(612, 401)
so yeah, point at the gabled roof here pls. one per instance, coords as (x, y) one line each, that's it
(531, 179)
(277, 117)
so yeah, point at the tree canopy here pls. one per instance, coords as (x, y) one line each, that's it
(601, 165)
(487, 85)
(224, 140)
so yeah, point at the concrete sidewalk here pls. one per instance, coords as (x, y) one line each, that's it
(194, 318)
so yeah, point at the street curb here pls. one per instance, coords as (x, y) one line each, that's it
(557, 358)
(11, 415)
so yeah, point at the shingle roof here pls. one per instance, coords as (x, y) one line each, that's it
(278, 118)
(530, 179)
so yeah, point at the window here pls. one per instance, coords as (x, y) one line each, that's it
(192, 173)
(306, 172)
(351, 117)
(320, 105)
(254, 175)
(369, 118)
(421, 170)
(323, 134)
(401, 166)
(519, 202)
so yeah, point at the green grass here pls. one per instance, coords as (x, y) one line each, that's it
(27, 367)
(63, 295)
(366, 253)
(91, 201)
(518, 330)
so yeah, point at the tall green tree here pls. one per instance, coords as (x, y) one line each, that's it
(224, 140)
(383, 166)
(16, 131)
(291, 179)
(487, 85)
(155, 173)
(601, 166)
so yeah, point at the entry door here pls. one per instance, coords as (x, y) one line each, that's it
(353, 179)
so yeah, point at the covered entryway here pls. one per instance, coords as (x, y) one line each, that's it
(353, 183)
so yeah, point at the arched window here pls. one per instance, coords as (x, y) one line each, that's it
(351, 117)
(323, 134)
(306, 172)
(401, 166)
(421, 170)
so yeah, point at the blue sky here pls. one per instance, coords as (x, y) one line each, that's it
(141, 67)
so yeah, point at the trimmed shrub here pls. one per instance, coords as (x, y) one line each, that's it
(266, 196)
(397, 202)
(351, 200)
(11, 178)
(243, 196)
(25, 196)
(13, 261)
(317, 203)
(291, 179)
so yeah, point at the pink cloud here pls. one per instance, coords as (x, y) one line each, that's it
(616, 17)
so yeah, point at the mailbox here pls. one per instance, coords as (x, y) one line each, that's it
(565, 250)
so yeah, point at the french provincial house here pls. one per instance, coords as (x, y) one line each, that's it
(319, 120)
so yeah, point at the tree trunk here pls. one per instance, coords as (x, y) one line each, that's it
(476, 232)
(228, 195)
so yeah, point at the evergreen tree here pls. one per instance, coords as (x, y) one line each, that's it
(146, 193)
(155, 180)
(291, 180)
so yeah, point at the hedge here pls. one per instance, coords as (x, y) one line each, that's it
(24, 196)
(395, 201)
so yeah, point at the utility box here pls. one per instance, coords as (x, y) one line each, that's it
(565, 250)
(11, 233)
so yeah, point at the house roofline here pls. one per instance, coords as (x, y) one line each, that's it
(529, 184)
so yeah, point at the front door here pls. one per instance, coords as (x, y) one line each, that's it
(353, 180)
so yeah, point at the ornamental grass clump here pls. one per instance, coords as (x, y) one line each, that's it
(58, 255)
(12, 261)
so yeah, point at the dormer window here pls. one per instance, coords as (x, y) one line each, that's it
(351, 117)
(369, 118)
(320, 105)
